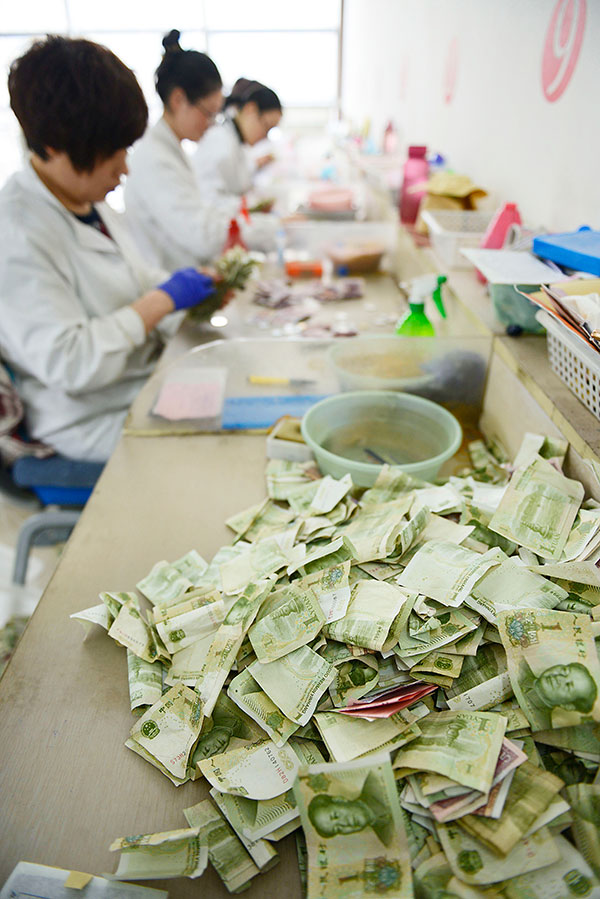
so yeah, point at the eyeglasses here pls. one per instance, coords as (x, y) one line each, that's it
(208, 114)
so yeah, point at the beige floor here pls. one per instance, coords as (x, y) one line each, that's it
(17, 600)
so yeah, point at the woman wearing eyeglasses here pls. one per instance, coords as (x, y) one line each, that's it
(221, 162)
(173, 223)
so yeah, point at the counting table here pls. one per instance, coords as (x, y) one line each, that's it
(68, 786)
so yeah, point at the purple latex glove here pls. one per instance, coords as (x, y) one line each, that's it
(188, 287)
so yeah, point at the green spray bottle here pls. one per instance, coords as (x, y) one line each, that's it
(415, 322)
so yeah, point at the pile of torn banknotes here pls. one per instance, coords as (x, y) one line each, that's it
(405, 677)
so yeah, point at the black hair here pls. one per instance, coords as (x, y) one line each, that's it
(195, 73)
(237, 92)
(246, 91)
(76, 97)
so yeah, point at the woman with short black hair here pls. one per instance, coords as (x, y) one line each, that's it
(76, 97)
(173, 222)
(221, 162)
(79, 309)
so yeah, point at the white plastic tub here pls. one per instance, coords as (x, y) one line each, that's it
(452, 230)
(316, 239)
(381, 362)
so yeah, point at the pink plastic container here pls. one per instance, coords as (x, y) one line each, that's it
(331, 199)
(496, 231)
(416, 171)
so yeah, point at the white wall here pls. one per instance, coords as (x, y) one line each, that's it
(499, 128)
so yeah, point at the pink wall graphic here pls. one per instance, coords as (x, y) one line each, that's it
(561, 49)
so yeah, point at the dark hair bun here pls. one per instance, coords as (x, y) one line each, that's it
(171, 41)
(195, 73)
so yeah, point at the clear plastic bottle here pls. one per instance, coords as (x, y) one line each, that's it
(280, 242)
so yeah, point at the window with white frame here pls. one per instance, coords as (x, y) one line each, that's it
(293, 48)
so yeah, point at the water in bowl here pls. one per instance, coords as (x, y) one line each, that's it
(377, 441)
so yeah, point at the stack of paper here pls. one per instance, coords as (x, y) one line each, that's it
(510, 266)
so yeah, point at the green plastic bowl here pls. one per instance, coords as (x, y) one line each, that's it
(404, 430)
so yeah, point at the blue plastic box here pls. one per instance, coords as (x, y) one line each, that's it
(579, 250)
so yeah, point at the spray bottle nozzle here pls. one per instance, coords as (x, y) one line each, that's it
(436, 295)
(428, 286)
(415, 322)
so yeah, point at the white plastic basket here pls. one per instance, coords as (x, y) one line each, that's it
(575, 363)
(318, 236)
(452, 230)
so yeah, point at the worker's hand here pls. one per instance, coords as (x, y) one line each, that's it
(262, 161)
(188, 287)
(218, 279)
(210, 272)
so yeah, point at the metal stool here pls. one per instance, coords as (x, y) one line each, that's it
(62, 486)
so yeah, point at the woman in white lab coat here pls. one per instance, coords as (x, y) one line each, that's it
(222, 162)
(172, 222)
(79, 308)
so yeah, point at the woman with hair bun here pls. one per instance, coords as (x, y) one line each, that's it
(173, 223)
(221, 162)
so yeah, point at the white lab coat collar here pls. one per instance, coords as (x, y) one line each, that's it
(165, 134)
(91, 237)
(88, 237)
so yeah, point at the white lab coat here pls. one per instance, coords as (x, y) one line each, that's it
(172, 223)
(79, 352)
(221, 162)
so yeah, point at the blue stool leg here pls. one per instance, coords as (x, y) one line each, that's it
(61, 519)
